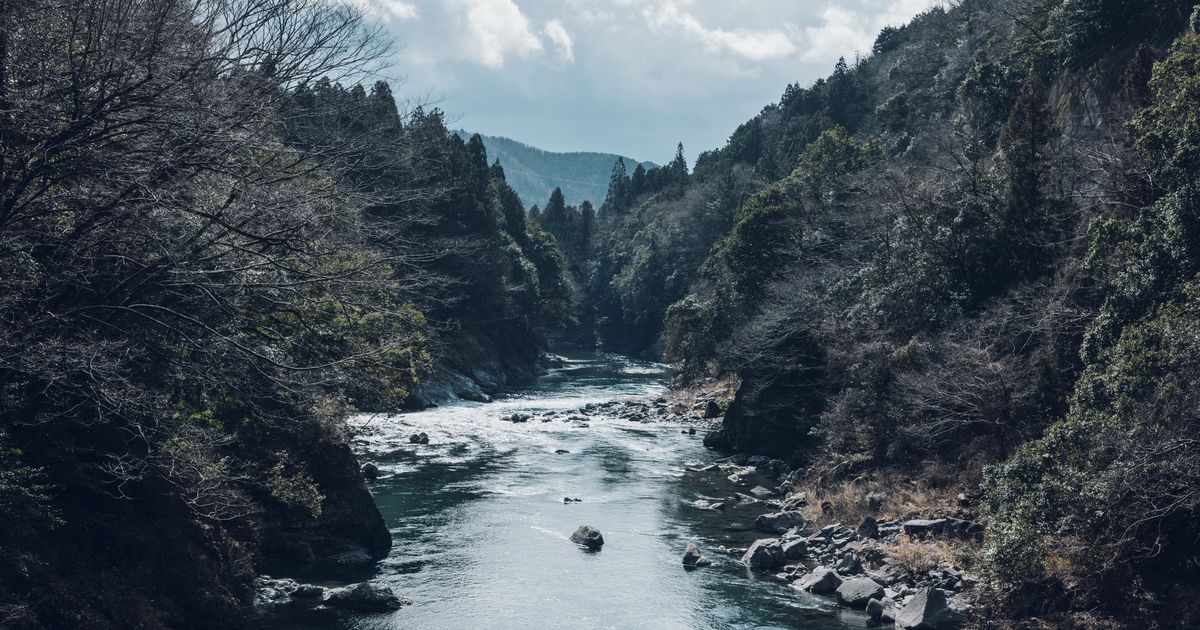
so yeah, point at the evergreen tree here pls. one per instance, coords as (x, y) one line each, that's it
(1027, 143)
(618, 197)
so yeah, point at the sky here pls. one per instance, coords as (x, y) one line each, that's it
(631, 77)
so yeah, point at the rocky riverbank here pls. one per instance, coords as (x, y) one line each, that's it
(899, 570)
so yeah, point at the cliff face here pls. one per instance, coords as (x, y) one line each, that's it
(148, 561)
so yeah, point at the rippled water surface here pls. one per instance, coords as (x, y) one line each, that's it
(480, 527)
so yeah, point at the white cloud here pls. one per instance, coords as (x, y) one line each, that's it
(495, 30)
(751, 45)
(400, 9)
(843, 32)
(557, 33)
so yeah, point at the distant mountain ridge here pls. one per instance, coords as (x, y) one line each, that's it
(534, 173)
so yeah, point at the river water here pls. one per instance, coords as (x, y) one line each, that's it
(481, 530)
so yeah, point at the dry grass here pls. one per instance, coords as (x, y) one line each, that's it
(919, 556)
(847, 502)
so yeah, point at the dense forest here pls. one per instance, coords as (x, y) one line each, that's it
(967, 260)
(534, 173)
(211, 249)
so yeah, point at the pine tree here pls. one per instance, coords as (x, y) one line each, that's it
(618, 196)
(1026, 145)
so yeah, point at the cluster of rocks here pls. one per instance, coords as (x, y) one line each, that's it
(419, 438)
(851, 564)
(273, 593)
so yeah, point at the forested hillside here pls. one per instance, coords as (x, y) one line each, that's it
(214, 245)
(966, 261)
(534, 173)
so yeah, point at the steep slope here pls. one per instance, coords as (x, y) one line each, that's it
(535, 173)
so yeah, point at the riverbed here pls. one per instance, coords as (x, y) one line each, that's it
(480, 526)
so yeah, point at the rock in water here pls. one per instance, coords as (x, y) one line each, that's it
(764, 555)
(366, 597)
(928, 610)
(370, 471)
(692, 558)
(822, 580)
(424, 438)
(856, 592)
(588, 536)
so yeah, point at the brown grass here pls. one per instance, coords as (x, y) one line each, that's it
(917, 556)
(846, 501)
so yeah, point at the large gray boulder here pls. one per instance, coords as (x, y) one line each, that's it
(764, 555)
(588, 536)
(856, 592)
(778, 522)
(928, 610)
(868, 528)
(822, 581)
(795, 549)
(920, 528)
(850, 565)
(692, 558)
(365, 597)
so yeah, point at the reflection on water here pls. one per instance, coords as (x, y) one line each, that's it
(480, 526)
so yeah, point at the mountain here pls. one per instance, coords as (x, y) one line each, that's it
(534, 173)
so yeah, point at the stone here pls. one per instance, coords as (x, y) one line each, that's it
(850, 565)
(778, 522)
(868, 528)
(692, 558)
(928, 610)
(308, 591)
(795, 501)
(691, 431)
(352, 556)
(795, 549)
(875, 500)
(424, 438)
(414, 438)
(856, 592)
(920, 528)
(821, 581)
(365, 597)
(875, 609)
(764, 555)
(562, 451)
(712, 410)
(588, 536)
(370, 471)
(760, 492)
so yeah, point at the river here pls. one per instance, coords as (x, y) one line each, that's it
(481, 530)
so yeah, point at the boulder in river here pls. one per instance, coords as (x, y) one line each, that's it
(856, 592)
(764, 555)
(928, 610)
(692, 558)
(562, 451)
(370, 471)
(419, 438)
(365, 597)
(588, 536)
(822, 581)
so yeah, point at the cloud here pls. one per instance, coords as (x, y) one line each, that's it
(557, 33)
(751, 45)
(400, 9)
(496, 30)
